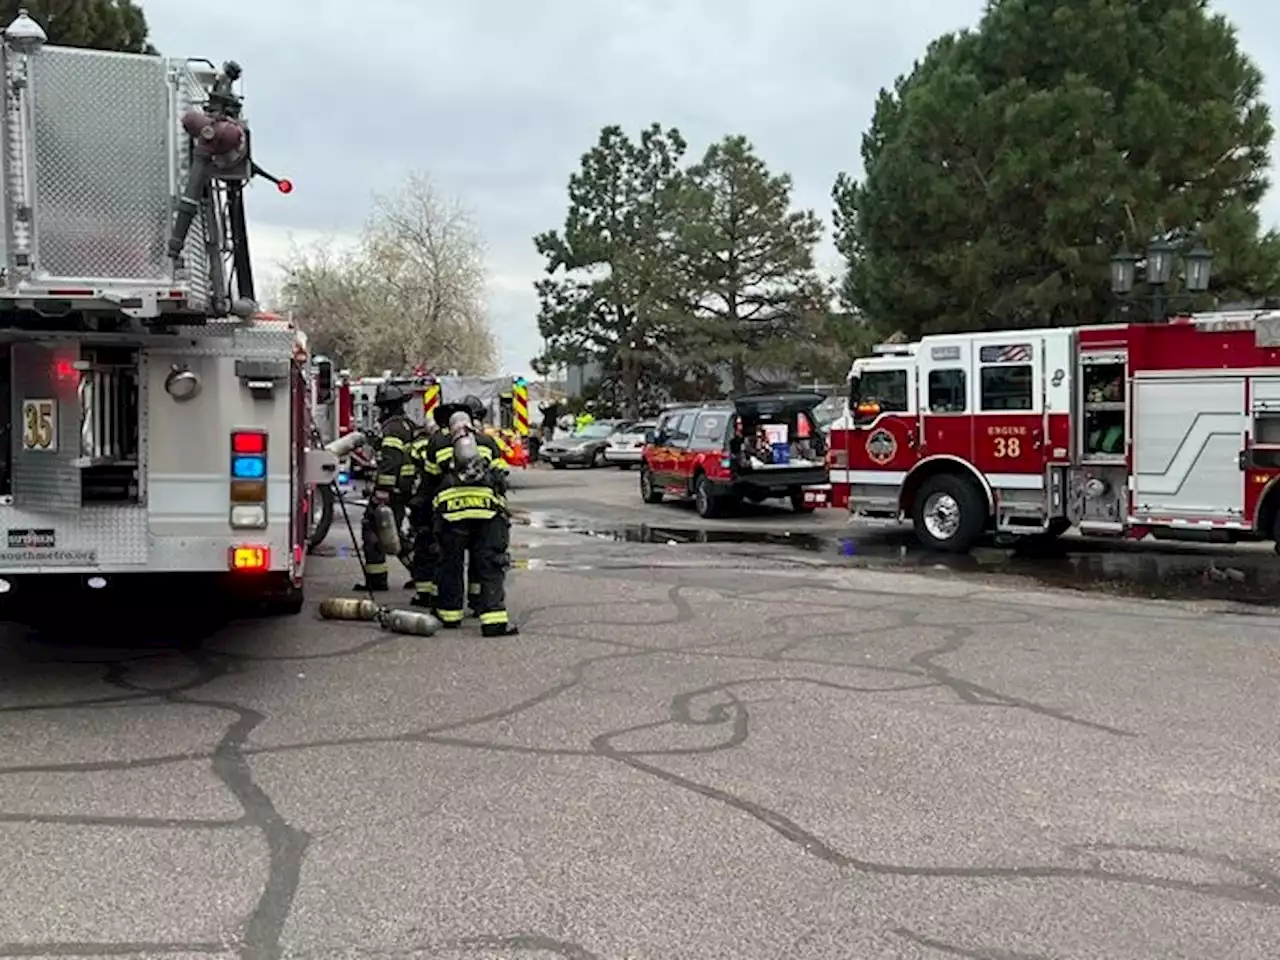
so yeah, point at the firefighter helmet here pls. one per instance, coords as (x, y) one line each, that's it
(390, 395)
(474, 406)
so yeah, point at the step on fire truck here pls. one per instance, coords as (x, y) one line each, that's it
(1169, 429)
(157, 421)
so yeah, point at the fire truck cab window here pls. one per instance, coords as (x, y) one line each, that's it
(1008, 387)
(888, 388)
(947, 391)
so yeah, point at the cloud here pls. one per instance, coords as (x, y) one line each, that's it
(498, 99)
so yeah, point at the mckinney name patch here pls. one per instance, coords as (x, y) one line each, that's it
(31, 539)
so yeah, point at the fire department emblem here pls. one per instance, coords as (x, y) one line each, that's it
(881, 446)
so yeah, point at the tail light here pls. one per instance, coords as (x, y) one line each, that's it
(248, 480)
(249, 559)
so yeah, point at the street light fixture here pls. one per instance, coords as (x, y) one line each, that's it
(1197, 261)
(1160, 254)
(1161, 259)
(1124, 268)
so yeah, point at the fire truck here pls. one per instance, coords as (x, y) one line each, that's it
(1169, 429)
(508, 398)
(156, 420)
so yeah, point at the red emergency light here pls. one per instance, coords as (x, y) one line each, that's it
(285, 186)
(64, 369)
(249, 443)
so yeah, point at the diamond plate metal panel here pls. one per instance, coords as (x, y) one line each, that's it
(46, 431)
(116, 536)
(103, 131)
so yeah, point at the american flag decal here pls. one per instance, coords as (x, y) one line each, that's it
(1010, 353)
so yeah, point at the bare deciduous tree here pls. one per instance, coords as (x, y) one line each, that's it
(412, 292)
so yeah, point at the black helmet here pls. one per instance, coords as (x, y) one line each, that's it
(390, 395)
(443, 412)
(474, 406)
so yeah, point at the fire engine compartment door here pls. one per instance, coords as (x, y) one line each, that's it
(1187, 436)
(45, 405)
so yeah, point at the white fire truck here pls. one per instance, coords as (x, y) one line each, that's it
(1170, 429)
(156, 419)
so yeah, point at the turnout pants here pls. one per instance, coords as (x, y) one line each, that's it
(375, 559)
(487, 542)
(425, 551)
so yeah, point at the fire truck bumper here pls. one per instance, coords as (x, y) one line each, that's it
(28, 596)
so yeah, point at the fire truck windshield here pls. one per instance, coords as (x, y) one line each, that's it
(885, 390)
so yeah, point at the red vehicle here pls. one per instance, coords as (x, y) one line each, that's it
(754, 448)
(1124, 430)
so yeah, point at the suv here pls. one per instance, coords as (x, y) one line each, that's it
(754, 448)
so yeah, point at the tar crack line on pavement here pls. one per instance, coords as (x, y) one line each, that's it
(723, 706)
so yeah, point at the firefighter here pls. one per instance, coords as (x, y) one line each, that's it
(392, 482)
(459, 417)
(421, 524)
(471, 515)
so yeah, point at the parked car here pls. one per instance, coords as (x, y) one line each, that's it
(585, 447)
(626, 447)
(717, 454)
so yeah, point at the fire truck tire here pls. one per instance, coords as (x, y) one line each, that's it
(705, 500)
(949, 514)
(288, 603)
(321, 515)
(649, 491)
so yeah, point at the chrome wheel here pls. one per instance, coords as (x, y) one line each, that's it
(942, 516)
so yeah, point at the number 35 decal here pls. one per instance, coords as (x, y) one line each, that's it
(40, 425)
(1007, 447)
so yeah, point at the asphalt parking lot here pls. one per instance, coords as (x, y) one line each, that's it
(697, 748)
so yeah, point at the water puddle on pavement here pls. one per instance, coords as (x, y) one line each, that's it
(1187, 572)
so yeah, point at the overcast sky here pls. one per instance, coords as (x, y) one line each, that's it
(497, 100)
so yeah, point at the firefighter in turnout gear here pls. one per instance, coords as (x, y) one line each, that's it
(393, 480)
(422, 565)
(471, 515)
(439, 455)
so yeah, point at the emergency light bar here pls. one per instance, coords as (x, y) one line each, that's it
(893, 349)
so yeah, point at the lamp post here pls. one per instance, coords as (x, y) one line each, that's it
(1158, 267)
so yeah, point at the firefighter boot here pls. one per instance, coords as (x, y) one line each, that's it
(373, 583)
(496, 623)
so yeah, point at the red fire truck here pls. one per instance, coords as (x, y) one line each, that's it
(1171, 429)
